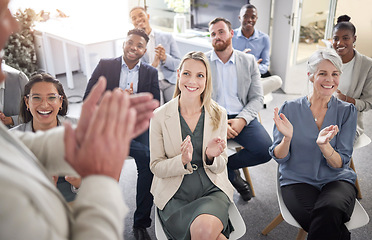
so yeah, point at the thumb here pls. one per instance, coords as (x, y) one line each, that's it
(131, 86)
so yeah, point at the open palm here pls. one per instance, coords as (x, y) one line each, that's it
(283, 125)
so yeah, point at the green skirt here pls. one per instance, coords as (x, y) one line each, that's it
(196, 195)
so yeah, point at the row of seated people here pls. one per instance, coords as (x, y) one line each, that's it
(145, 79)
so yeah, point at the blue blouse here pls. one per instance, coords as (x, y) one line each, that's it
(305, 162)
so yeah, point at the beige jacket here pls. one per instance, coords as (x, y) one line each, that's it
(361, 87)
(165, 154)
(31, 207)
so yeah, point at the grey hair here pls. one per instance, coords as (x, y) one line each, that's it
(320, 55)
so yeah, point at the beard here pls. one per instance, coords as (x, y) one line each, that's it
(222, 47)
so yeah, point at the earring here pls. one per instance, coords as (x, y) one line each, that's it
(60, 108)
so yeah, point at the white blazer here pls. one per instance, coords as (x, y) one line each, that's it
(165, 153)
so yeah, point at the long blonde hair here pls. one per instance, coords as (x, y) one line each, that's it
(206, 96)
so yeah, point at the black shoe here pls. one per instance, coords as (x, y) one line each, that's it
(241, 186)
(141, 233)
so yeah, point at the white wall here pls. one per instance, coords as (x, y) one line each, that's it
(264, 14)
(361, 17)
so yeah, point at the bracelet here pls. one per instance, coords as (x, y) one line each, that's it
(74, 189)
(329, 155)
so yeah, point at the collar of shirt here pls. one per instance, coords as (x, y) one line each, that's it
(128, 76)
(2, 85)
(152, 34)
(125, 66)
(214, 57)
(329, 104)
(151, 46)
(254, 36)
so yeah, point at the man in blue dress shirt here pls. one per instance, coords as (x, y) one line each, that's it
(250, 40)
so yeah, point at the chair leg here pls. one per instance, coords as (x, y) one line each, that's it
(359, 195)
(301, 234)
(248, 179)
(273, 224)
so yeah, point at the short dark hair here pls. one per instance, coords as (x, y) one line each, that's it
(220, 19)
(343, 22)
(138, 7)
(246, 6)
(139, 32)
(25, 115)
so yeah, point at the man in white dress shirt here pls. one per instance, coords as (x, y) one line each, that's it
(162, 53)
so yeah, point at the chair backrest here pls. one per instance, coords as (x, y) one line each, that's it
(231, 147)
(283, 208)
(234, 215)
(237, 222)
(358, 219)
(159, 232)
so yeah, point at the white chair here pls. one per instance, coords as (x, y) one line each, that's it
(362, 141)
(234, 215)
(233, 147)
(358, 218)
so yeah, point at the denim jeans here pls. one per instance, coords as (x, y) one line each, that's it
(256, 142)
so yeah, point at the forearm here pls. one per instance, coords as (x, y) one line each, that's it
(282, 149)
(99, 210)
(332, 157)
(169, 167)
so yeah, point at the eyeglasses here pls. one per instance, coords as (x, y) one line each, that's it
(51, 98)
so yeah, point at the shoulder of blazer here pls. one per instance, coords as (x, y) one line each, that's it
(110, 60)
(162, 36)
(365, 60)
(168, 109)
(147, 66)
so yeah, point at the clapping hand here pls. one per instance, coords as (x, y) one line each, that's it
(160, 52)
(283, 125)
(186, 150)
(156, 61)
(74, 181)
(112, 122)
(215, 147)
(341, 96)
(327, 134)
(130, 90)
(6, 120)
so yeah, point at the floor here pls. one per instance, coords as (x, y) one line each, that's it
(263, 208)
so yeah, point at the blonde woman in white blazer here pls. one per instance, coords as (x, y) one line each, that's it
(356, 80)
(190, 186)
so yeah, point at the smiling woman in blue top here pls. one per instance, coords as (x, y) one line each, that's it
(313, 144)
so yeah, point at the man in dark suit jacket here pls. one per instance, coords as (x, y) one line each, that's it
(133, 76)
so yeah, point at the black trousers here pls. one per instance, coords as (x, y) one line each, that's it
(322, 213)
(140, 151)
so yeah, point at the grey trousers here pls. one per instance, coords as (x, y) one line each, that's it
(166, 91)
